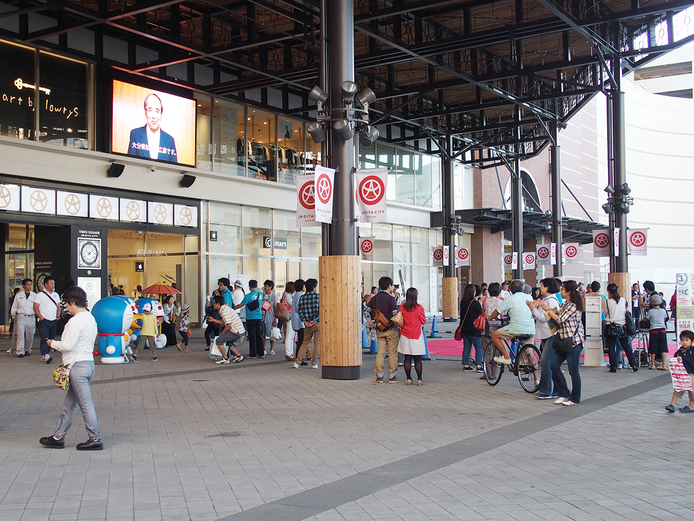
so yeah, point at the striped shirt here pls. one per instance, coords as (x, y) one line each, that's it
(569, 320)
(231, 317)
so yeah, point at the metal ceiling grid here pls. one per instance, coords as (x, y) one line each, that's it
(437, 66)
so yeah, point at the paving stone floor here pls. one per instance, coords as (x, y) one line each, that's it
(186, 439)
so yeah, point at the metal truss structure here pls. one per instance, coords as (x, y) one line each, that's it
(493, 74)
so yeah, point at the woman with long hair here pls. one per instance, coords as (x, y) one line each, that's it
(411, 340)
(616, 314)
(171, 310)
(470, 309)
(569, 319)
(549, 287)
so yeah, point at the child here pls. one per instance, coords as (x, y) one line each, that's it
(149, 332)
(685, 354)
(657, 342)
(183, 328)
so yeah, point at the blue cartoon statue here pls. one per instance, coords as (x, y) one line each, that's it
(113, 315)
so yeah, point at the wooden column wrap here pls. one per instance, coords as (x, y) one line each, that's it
(449, 294)
(340, 311)
(623, 280)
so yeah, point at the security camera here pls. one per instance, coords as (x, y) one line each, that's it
(152, 168)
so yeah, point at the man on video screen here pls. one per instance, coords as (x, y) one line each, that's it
(150, 141)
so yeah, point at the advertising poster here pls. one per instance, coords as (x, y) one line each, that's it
(684, 286)
(507, 261)
(462, 256)
(152, 124)
(371, 194)
(440, 255)
(323, 191)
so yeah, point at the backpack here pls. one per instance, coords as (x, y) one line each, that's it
(631, 328)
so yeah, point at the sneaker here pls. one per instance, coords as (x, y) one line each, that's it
(222, 361)
(207, 348)
(315, 366)
(50, 441)
(27, 353)
(272, 352)
(90, 445)
(393, 380)
(154, 359)
(543, 396)
(502, 360)
(569, 403)
(43, 357)
(686, 408)
(238, 359)
(670, 408)
(560, 400)
(135, 358)
(296, 366)
(253, 357)
(262, 357)
(379, 379)
(20, 355)
(49, 359)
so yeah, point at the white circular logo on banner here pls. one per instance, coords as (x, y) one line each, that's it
(438, 254)
(325, 188)
(529, 258)
(307, 196)
(543, 252)
(571, 251)
(637, 239)
(367, 245)
(508, 259)
(602, 240)
(371, 189)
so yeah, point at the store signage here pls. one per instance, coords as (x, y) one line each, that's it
(528, 260)
(185, 215)
(103, 207)
(570, 252)
(139, 266)
(38, 200)
(132, 210)
(278, 243)
(71, 204)
(160, 213)
(213, 235)
(9, 197)
(601, 243)
(462, 256)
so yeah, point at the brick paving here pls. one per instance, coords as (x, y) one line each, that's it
(186, 439)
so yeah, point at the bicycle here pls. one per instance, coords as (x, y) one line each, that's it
(525, 364)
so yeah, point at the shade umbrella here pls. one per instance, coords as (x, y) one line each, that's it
(160, 289)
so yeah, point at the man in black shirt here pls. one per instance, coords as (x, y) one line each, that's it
(389, 338)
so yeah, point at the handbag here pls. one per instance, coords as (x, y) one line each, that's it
(282, 311)
(480, 322)
(61, 377)
(458, 335)
(398, 319)
(644, 324)
(381, 321)
(611, 329)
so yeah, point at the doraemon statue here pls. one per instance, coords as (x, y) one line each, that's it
(113, 315)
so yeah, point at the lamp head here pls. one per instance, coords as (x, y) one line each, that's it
(609, 189)
(343, 129)
(369, 136)
(366, 97)
(625, 189)
(316, 131)
(317, 95)
(348, 90)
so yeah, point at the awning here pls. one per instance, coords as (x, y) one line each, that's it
(534, 223)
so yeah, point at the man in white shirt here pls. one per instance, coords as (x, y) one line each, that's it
(233, 330)
(47, 309)
(505, 293)
(237, 297)
(24, 319)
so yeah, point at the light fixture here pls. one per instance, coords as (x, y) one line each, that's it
(317, 95)
(625, 189)
(608, 208)
(115, 170)
(625, 207)
(186, 180)
(366, 97)
(316, 131)
(343, 129)
(369, 136)
(349, 90)
(609, 189)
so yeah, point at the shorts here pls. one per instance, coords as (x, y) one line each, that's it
(657, 342)
(504, 333)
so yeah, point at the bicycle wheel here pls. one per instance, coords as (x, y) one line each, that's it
(528, 368)
(492, 370)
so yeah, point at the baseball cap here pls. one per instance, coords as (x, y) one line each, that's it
(238, 283)
(656, 300)
(146, 307)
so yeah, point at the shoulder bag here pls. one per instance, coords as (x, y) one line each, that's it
(480, 322)
(253, 305)
(565, 345)
(611, 329)
(283, 311)
(398, 319)
(61, 377)
(630, 327)
(382, 322)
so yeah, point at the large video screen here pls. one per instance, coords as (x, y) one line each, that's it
(152, 124)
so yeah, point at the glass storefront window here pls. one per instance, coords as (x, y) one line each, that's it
(311, 245)
(420, 253)
(225, 219)
(286, 235)
(63, 102)
(203, 153)
(257, 224)
(222, 266)
(290, 151)
(229, 131)
(401, 244)
(261, 142)
(383, 242)
(17, 112)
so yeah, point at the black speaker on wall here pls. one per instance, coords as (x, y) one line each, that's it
(115, 170)
(187, 181)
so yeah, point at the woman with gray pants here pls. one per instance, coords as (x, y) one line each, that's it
(77, 347)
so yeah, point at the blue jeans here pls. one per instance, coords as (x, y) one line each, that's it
(617, 344)
(79, 393)
(572, 359)
(545, 365)
(468, 342)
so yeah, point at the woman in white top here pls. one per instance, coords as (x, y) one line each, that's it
(171, 310)
(77, 347)
(616, 310)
